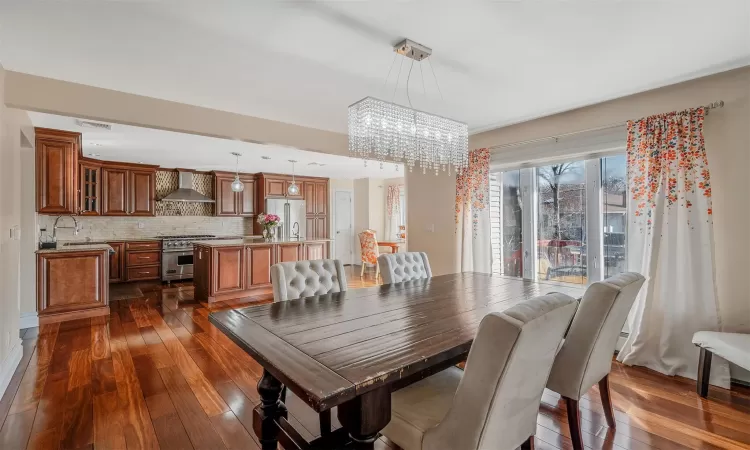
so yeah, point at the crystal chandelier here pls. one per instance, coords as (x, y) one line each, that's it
(385, 131)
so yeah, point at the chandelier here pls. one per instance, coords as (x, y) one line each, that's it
(385, 131)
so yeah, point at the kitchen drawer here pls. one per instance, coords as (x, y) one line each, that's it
(143, 258)
(144, 273)
(145, 245)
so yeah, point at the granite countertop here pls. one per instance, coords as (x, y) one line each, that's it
(255, 241)
(75, 248)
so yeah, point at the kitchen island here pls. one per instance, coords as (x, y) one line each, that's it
(73, 282)
(235, 268)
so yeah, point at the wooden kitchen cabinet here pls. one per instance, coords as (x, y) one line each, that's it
(72, 285)
(246, 198)
(230, 203)
(114, 191)
(142, 192)
(57, 171)
(117, 262)
(128, 190)
(275, 187)
(142, 261)
(316, 250)
(90, 174)
(229, 273)
(289, 252)
(259, 261)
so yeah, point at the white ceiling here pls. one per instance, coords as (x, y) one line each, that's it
(178, 150)
(304, 62)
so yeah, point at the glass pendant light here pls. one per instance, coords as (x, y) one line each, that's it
(293, 189)
(237, 185)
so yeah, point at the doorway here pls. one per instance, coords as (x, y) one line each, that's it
(343, 231)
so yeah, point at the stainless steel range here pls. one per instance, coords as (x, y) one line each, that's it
(177, 256)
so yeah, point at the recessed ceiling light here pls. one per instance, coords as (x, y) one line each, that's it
(265, 157)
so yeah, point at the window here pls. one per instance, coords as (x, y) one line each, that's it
(561, 232)
(563, 222)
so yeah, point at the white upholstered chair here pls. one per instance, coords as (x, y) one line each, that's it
(494, 403)
(297, 279)
(407, 266)
(585, 358)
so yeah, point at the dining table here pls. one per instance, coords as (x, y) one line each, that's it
(352, 349)
(393, 245)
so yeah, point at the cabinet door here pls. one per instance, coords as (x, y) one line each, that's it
(114, 191)
(71, 281)
(290, 252)
(275, 187)
(321, 197)
(309, 194)
(316, 250)
(320, 227)
(117, 262)
(247, 197)
(259, 262)
(229, 269)
(90, 189)
(310, 231)
(227, 201)
(142, 193)
(56, 175)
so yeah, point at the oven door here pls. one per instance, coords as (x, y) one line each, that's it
(176, 265)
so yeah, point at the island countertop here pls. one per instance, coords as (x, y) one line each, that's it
(75, 248)
(256, 241)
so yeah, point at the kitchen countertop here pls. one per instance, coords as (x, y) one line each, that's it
(75, 248)
(255, 241)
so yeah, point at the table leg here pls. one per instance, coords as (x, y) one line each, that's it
(364, 416)
(271, 408)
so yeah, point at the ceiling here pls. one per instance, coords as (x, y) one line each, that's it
(304, 62)
(178, 150)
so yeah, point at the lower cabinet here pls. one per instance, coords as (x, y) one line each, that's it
(289, 252)
(229, 273)
(72, 285)
(142, 261)
(117, 262)
(316, 250)
(259, 261)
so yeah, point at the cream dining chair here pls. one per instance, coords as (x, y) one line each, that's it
(585, 358)
(494, 403)
(407, 266)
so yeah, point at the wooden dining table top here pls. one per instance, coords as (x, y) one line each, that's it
(331, 348)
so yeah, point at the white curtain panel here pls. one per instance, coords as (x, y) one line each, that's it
(393, 213)
(473, 214)
(670, 242)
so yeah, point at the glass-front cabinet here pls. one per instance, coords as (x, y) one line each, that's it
(90, 189)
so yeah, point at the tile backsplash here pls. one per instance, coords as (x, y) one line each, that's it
(103, 228)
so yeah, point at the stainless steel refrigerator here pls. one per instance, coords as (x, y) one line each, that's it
(292, 214)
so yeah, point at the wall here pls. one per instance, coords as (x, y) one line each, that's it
(112, 228)
(10, 244)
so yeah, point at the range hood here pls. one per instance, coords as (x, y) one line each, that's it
(185, 192)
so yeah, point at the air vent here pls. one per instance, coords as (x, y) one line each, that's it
(97, 125)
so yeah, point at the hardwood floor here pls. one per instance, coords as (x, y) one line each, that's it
(156, 374)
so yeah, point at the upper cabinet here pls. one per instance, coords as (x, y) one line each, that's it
(90, 187)
(57, 171)
(230, 203)
(128, 190)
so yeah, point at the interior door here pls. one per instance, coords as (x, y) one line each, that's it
(344, 234)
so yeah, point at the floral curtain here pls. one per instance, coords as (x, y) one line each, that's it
(393, 212)
(473, 213)
(670, 241)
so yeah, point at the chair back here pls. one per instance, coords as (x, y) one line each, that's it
(586, 356)
(398, 267)
(369, 246)
(297, 279)
(497, 401)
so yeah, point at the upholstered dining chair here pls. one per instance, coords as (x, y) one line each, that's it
(494, 403)
(297, 279)
(369, 246)
(398, 267)
(585, 358)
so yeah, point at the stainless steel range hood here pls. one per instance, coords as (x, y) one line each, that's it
(185, 192)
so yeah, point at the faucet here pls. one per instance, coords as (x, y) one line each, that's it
(55, 227)
(295, 226)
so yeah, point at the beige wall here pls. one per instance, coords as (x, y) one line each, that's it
(10, 244)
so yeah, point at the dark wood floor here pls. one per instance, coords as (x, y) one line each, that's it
(156, 374)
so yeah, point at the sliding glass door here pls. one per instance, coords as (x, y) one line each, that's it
(562, 222)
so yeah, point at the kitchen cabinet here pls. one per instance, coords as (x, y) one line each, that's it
(289, 252)
(259, 261)
(316, 250)
(72, 284)
(142, 261)
(117, 262)
(128, 190)
(230, 269)
(57, 171)
(230, 203)
(89, 190)
(316, 206)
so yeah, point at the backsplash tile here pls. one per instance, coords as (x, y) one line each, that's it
(110, 228)
(167, 181)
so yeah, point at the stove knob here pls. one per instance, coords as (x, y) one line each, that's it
(170, 244)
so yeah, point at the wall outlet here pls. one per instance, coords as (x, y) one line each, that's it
(140, 225)
(431, 228)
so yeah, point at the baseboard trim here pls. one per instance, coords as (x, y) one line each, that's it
(28, 320)
(9, 366)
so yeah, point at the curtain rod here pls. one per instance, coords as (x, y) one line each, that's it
(709, 107)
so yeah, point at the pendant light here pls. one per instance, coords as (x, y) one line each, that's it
(293, 189)
(237, 185)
